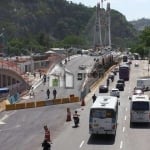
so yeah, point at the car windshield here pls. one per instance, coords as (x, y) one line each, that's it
(115, 90)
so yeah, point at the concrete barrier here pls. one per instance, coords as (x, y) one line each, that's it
(65, 100)
(74, 99)
(57, 101)
(71, 99)
(72, 95)
(40, 103)
(49, 102)
(30, 105)
(10, 107)
(20, 106)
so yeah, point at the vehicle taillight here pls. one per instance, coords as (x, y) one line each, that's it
(114, 127)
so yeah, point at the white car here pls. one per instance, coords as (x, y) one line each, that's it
(136, 65)
(115, 92)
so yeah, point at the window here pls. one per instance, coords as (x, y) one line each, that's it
(143, 106)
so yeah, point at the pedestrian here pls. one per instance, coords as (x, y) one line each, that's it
(34, 74)
(107, 81)
(40, 74)
(48, 93)
(44, 78)
(94, 98)
(31, 93)
(47, 134)
(54, 93)
(46, 145)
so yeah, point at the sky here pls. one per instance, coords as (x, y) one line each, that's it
(131, 9)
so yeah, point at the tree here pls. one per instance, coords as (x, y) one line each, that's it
(145, 37)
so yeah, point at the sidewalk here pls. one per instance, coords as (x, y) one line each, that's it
(3, 105)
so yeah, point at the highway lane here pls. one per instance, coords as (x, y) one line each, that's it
(23, 129)
(127, 138)
(73, 67)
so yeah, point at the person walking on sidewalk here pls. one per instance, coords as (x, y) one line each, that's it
(54, 93)
(31, 93)
(94, 98)
(48, 93)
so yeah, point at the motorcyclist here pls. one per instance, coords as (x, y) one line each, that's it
(76, 118)
(46, 145)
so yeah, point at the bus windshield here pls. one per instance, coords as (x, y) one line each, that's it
(140, 106)
(102, 113)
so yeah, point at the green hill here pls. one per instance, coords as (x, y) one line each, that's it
(40, 24)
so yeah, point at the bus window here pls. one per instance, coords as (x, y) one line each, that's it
(140, 106)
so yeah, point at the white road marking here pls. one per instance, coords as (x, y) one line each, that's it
(121, 145)
(126, 108)
(1, 122)
(81, 144)
(123, 129)
(5, 117)
(15, 127)
(125, 118)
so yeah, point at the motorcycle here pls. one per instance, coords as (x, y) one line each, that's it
(76, 121)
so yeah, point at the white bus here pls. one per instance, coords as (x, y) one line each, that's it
(104, 115)
(140, 109)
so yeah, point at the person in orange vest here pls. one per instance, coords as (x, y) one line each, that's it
(47, 133)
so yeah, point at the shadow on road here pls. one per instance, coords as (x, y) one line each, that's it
(140, 125)
(101, 140)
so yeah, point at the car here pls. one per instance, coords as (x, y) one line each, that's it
(120, 86)
(138, 92)
(136, 65)
(115, 92)
(121, 81)
(103, 89)
(114, 72)
(82, 67)
(111, 76)
(116, 69)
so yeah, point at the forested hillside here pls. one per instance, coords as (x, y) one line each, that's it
(140, 24)
(40, 24)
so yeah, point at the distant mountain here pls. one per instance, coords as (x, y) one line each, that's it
(53, 20)
(140, 24)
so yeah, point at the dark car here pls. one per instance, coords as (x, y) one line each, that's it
(121, 81)
(120, 86)
(103, 89)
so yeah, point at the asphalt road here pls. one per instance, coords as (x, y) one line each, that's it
(23, 129)
(73, 67)
(127, 138)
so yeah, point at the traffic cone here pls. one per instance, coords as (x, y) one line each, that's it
(68, 115)
(82, 102)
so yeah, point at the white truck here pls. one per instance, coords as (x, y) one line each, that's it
(144, 83)
(115, 92)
